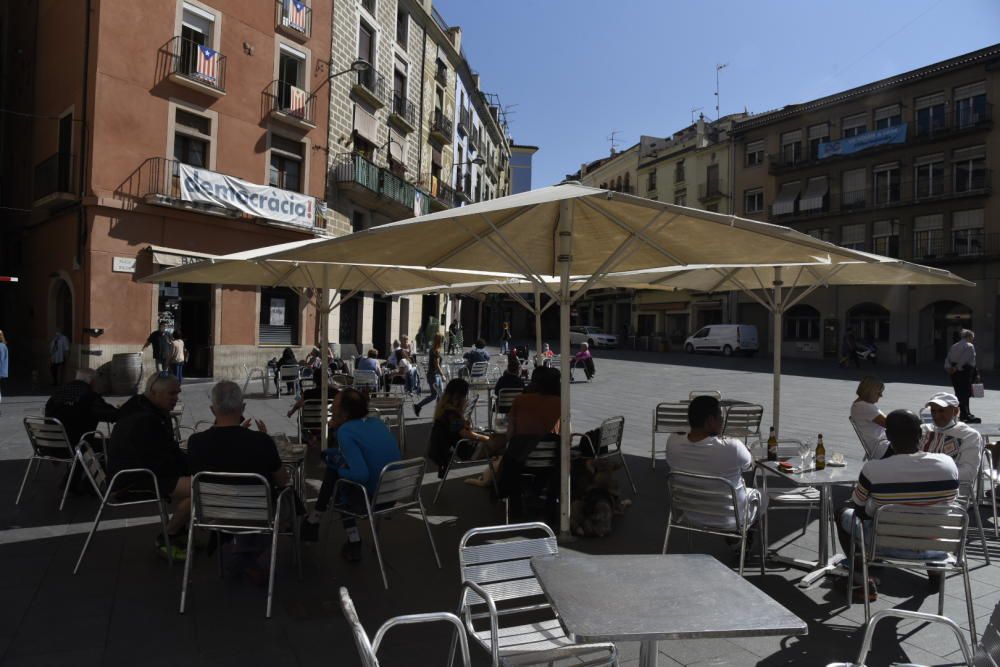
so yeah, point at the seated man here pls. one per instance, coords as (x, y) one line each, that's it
(79, 407)
(370, 363)
(948, 435)
(703, 452)
(476, 354)
(143, 437)
(365, 445)
(909, 477)
(511, 379)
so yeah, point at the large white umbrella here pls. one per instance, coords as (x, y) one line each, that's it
(572, 230)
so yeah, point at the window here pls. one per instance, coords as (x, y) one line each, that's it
(852, 126)
(818, 134)
(402, 27)
(628, 184)
(889, 116)
(279, 316)
(369, 6)
(970, 169)
(791, 147)
(197, 29)
(967, 232)
(680, 199)
(927, 239)
(192, 137)
(753, 201)
(802, 323)
(929, 114)
(885, 238)
(869, 322)
(928, 176)
(853, 236)
(755, 153)
(399, 87)
(886, 178)
(853, 188)
(358, 221)
(821, 233)
(286, 164)
(291, 74)
(679, 172)
(970, 104)
(366, 50)
(651, 183)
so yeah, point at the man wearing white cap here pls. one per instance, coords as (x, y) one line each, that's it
(948, 435)
(960, 364)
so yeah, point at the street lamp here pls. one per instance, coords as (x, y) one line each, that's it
(359, 65)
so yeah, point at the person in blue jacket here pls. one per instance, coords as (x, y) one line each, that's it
(364, 445)
(4, 362)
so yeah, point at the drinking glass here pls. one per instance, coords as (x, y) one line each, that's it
(806, 454)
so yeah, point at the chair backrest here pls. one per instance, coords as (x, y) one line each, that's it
(940, 528)
(400, 482)
(386, 404)
(361, 640)
(365, 378)
(612, 430)
(92, 469)
(861, 438)
(311, 413)
(305, 373)
(230, 500)
(555, 361)
(704, 392)
(505, 399)
(671, 418)
(498, 559)
(479, 369)
(742, 420)
(288, 373)
(704, 495)
(544, 456)
(48, 437)
(342, 379)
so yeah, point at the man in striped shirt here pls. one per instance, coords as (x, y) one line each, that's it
(910, 477)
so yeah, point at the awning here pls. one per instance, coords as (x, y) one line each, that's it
(816, 189)
(366, 125)
(174, 257)
(785, 203)
(961, 220)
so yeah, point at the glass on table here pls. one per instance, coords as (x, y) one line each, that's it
(806, 453)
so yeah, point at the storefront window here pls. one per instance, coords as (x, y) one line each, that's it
(279, 316)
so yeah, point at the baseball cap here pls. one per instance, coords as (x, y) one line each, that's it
(944, 400)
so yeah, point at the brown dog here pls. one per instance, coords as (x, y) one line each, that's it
(592, 513)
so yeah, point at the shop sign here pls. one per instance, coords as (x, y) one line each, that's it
(123, 264)
(277, 313)
(261, 201)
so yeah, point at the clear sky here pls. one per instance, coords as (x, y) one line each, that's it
(578, 69)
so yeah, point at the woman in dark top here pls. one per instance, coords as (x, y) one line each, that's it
(450, 425)
(435, 373)
(287, 359)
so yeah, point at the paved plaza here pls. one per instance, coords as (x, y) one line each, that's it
(122, 608)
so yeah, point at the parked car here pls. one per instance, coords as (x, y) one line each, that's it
(592, 336)
(725, 338)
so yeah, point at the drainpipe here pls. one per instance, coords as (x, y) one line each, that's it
(423, 73)
(81, 238)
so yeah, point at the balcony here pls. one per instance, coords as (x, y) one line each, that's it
(441, 73)
(290, 104)
(711, 191)
(293, 18)
(378, 188)
(491, 171)
(195, 66)
(402, 114)
(905, 193)
(371, 87)
(442, 196)
(936, 247)
(53, 183)
(441, 127)
(465, 121)
(475, 139)
(463, 188)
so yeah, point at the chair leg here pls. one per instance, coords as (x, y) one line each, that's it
(444, 477)
(90, 535)
(430, 537)
(217, 536)
(270, 576)
(993, 501)
(628, 473)
(762, 528)
(69, 482)
(864, 576)
(24, 480)
(187, 565)
(652, 452)
(850, 572)
(968, 604)
(977, 515)
(743, 549)
(162, 507)
(666, 537)
(378, 550)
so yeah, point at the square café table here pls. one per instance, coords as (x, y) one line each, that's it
(646, 598)
(824, 480)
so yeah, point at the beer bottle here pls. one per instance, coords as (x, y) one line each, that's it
(820, 453)
(772, 446)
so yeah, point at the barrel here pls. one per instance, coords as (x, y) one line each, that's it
(126, 372)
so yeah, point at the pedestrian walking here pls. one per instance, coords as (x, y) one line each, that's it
(505, 339)
(4, 363)
(435, 374)
(178, 356)
(58, 349)
(960, 365)
(162, 348)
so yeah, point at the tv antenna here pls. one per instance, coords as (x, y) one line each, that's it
(693, 110)
(718, 68)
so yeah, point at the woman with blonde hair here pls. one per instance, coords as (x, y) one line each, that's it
(868, 419)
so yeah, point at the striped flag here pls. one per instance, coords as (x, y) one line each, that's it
(297, 101)
(207, 67)
(296, 15)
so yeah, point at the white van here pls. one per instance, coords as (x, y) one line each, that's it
(725, 338)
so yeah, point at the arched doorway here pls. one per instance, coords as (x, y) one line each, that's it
(946, 320)
(869, 321)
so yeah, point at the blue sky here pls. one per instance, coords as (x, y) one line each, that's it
(578, 69)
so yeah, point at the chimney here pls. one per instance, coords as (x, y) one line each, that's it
(455, 33)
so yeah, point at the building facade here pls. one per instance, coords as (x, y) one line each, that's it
(189, 128)
(520, 167)
(898, 167)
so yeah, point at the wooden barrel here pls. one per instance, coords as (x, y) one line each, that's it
(126, 373)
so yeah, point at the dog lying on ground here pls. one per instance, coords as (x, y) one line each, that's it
(592, 513)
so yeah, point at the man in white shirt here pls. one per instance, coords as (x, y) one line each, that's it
(948, 435)
(960, 364)
(702, 451)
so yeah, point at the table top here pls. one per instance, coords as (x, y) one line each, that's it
(831, 475)
(654, 597)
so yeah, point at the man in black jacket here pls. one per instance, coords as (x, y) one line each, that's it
(144, 438)
(79, 407)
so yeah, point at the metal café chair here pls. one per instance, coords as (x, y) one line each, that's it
(501, 408)
(479, 371)
(49, 442)
(311, 416)
(87, 460)
(368, 648)
(861, 438)
(988, 479)
(795, 498)
(904, 614)
(937, 530)
(239, 504)
(970, 496)
(668, 418)
(503, 606)
(288, 374)
(704, 392)
(714, 498)
(398, 490)
(390, 411)
(366, 381)
(541, 461)
(612, 430)
(743, 422)
(462, 456)
(252, 375)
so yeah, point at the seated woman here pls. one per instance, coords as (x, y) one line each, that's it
(869, 420)
(450, 426)
(314, 393)
(405, 373)
(585, 359)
